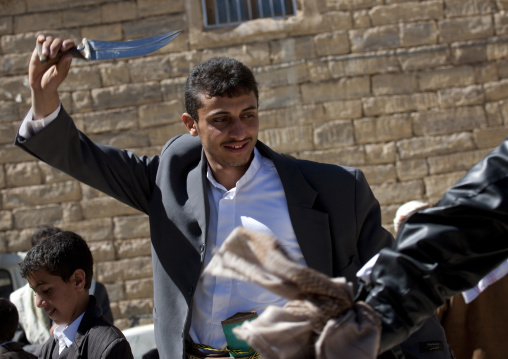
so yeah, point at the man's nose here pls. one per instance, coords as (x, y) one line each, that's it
(39, 302)
(237, 129)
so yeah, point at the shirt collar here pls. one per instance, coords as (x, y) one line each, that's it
(254, 166)
(68, 333)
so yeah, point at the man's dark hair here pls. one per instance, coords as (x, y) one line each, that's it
(218, 76)
(60, 254)
(8, 319)
(43, 233)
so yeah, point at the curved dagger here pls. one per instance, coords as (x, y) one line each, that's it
(92, 50)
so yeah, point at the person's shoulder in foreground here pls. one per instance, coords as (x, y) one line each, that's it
(9, 322)
(59, 270)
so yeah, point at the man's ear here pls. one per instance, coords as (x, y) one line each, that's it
(190, 124)
(79, 279)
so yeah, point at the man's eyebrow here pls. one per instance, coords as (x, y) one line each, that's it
(224, 112)
(38, 284)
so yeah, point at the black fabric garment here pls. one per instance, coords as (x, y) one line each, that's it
(444, 250)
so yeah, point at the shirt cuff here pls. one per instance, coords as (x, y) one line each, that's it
(30, 127)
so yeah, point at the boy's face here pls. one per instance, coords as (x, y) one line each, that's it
(63, 301)
(228, 128)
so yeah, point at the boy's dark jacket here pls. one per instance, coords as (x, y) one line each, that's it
(96, 339)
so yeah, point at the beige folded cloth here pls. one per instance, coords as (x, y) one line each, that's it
(321, 319)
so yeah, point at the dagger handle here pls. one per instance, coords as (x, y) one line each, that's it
(76, 51)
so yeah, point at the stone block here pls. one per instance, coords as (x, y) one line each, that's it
(160, 114)
(501, 23)
(37, 216)
(454, 162)
(418, 34)
(455, 8)
(412, 169)
(119, 11)
(40, 194)
(407, 11)
(394, 84)
(348, 109)
(379, 174)
(138, 289)
(105, 207)
(6, 25)
(92, 230)
(349, 156)
(436, 186)
(387, 105)
(14, 242)
(182, 63)
(155, 7)
(380, 153)
(374, 39)
(14, 64)
(22, 174)
(469, 54)
(337, 20)
(440, 122)
(131, 248)
(108, 32)
(152, 25)
(18, 43)
(272, 76)
(2, 177)
(102, 250)
(71, 212)
(280, 96)
(446, 77)
(318, 71)
(48, 5)
(6, 221)
(82, 78)
(342, 89)
(494, 113)
(252, 54)
(35, 22)
(125, 269)
(82, 16)
(466, 28)
(497, 90)
(158, 136)
(497, 51)
(490, 137)
(12, 154)
(399, 192)
(382, 129)
(424, 57)
(422, 147)
(292, 116)
(110, 121)
(8, 112)
(132, 308)
(149, 68)
(361, 19)
(292, 49)
(116, 292)
(7, 132)
(131, 226)
(286, 140)
(51, 174)
(461, 96)
(334, 43)
(173, 89)
(82, 101)
(334, 134)
(488, 72)
(114, 74)
(126, 95)
(360, 64)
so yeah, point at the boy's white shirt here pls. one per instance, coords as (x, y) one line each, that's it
(30, 127)
(65, 335)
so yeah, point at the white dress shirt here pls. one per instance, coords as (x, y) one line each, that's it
(258, 202)
(65, 334)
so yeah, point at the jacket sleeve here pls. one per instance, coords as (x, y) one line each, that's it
(119, 348)
(118, 173)
(444, 250)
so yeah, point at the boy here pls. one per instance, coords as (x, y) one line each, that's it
(9, 320)
(59, 270)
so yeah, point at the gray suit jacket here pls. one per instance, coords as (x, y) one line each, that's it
(333, 211)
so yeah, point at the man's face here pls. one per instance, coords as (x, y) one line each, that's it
(59, 299)
(228, 128)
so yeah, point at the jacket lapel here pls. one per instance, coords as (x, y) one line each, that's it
(311, 227)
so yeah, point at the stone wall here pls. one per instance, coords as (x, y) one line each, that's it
(412, 92)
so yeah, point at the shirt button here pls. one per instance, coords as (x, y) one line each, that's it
(202, 248)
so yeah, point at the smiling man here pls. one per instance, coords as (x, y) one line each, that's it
(202, 186)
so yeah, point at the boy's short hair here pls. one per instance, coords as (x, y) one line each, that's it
(43, 233)
(218, 76)
(8, 319)
(60, 254)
